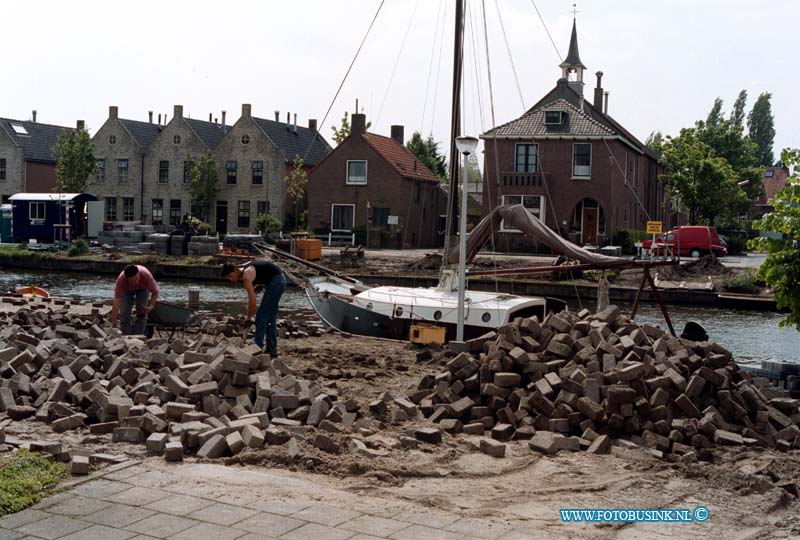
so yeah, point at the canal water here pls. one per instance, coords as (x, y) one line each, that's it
(751, 335)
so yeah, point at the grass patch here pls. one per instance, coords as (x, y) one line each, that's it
(26, 477)
(21, 254)
(745, 282)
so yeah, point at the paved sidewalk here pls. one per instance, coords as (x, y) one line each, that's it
(214, 502)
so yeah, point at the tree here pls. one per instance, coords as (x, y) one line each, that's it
(781, 269)
(705, 182)
(204, 185)
(761, 126)
(715, 114)
(296, 182)
(427, 151)
(75, 161)
(475, 176)
(737, 113)
(344, 130)
(655, 142)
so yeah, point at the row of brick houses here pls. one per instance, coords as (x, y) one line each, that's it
(143, 172)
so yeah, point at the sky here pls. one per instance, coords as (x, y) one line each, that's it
(664, 60)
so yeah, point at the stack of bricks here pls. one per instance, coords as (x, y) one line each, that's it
(584, 381)
(210, 395)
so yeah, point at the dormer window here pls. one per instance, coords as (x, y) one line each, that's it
(769, 173)
(555, 118)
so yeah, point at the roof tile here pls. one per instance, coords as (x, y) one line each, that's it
(400, 158)
(38, 144)
(309, 145)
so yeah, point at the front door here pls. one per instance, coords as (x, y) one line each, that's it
(222, 217)
(589, 228)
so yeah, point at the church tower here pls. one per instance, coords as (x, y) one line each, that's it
(572, 67)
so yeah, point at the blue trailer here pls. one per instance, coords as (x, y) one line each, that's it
(48, 217)
(5, 223)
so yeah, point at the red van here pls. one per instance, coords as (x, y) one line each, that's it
(692, 240)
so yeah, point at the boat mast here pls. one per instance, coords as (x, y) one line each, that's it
(455, 123)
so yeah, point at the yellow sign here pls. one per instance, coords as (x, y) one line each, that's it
(653, 227)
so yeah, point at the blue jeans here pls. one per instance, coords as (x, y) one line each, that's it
(140, 298)
(267, 314)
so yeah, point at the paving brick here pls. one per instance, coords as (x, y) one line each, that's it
(374, 525)
(78, 506)
(161, 525)
(490, 447)
(53, 527)
(207, 531)
(6, 534)
(481, 528)
(281, 508)
(263, 523)
(223, 514)
(317, 531)
(13, 521)
(180, 505)
(119, 515)
(97, 532)
(326, 515)
(419, 532)
(173, 451)
(138, 496)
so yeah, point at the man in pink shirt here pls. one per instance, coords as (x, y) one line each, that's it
(133, 285)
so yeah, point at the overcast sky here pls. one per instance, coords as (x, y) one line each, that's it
(664, 60)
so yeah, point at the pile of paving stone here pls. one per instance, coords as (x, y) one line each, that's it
(209, 394)
(587, 381)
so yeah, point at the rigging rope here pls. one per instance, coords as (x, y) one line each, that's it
(510, 57)
(438, 71)
(347, 73)
(625, 178)
(430, 65)
(397, 61)
(476, 65)
(546, 30)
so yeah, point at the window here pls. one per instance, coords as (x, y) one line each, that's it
(357, 172)
(127, 209)
(187, 172)
(244, 215)
(581, 160)
(554, 118)
(158, 211)
(176, 139)
(230, 167)
(245, 139)
(112, 139)
(19, 130)
(36, 211)
(2, 169)
(262, 207)
(175, 212)
(380, 217)
(526, 158)
(342, 216)
(111, 209)
(769, 173)
(100, 175)
(163, 172)
(534, 204)
(122, 170)
(258, 172)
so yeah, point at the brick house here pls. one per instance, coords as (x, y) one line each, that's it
(143, 175)
(374, 180)
(27, 163)
(773, 181)
(573, 165)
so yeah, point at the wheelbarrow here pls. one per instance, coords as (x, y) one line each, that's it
(166, 316)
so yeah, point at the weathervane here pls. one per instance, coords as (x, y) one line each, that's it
(575, 11)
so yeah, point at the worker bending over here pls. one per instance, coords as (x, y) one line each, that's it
(133, 285)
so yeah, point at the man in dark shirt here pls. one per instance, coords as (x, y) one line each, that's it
(271, 277)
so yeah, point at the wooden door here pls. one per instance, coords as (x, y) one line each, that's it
(589, 226)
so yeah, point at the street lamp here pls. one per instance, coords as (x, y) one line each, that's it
(466, 145)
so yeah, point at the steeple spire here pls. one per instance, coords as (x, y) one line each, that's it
(572, 67)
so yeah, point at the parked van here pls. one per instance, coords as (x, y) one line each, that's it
(692, 240)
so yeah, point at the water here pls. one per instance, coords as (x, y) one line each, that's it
(751, 335)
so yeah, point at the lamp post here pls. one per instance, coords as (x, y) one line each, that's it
(466, 145)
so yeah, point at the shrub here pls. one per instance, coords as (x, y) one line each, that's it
(627, 238)
(267, 224)
(77, 248)
(745, 282)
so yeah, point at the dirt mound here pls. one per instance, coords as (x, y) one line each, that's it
(704, 266)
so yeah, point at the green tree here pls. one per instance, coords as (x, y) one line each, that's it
(204, 185)
(761, 126)
(715, 114)
(427, 151)
(296, 183)
(343, 131)
(655, 142)
(75, 161)
(737, 113)
(705, 182)
(781, 269)
(475, 176)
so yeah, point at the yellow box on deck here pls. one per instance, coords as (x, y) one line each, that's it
(310, 249)
(425, 334)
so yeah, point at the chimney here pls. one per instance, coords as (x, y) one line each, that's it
(150, 116)
(33, 115)
(247, 110)
(288, 118)
(80, 125)
(397, 135)
(210, 117)
(598, 92)
(294, 126)
(312, 124)
(113, 111)
(224, 113)
(216, 120)
(358, 123)
(277, 116)
(159, 119)
(605, 102)
(177, 112)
